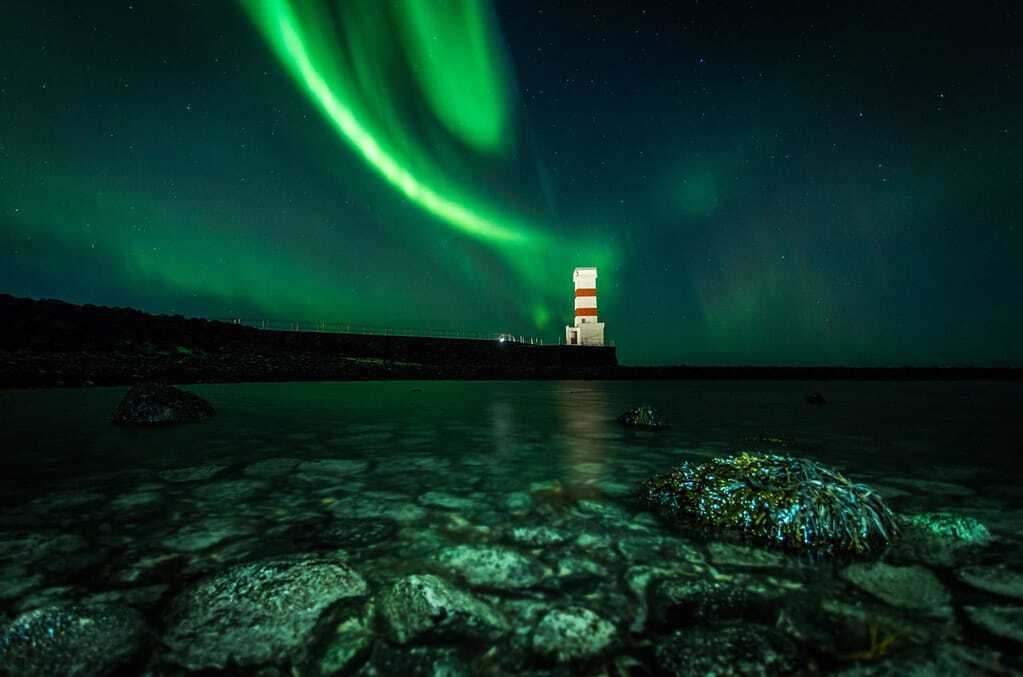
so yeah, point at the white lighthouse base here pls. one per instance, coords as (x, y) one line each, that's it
(585, 334)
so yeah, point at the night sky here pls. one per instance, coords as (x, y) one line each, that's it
(836, 188)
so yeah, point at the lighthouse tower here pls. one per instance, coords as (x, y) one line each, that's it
(586, 331)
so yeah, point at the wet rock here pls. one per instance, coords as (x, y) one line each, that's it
(57, 595)
(16, 580)
(272, 467)
(642, 417)
(794, 503)
(518, 503)
(425, 607)
(254, 614)
(138, 502)
(573, 634)
(419, 660)
(76, 640)
(75, 562)
(593, 541)
(350, 644)
(156, 404)
(204, 534)
(913, 588)
(997, 580)
(815, 399)
(744, 649)
(743, 556)
(575, 568)
(940, 539)
(38, 545)
(140, 598)
(491, 567)
(228, 492)
(943, 659)
(367, 506)
(196, 473)
(679, 601)
(357, 533)
(536, 536)
(1001, 621)
(439, 499)
(334, 467)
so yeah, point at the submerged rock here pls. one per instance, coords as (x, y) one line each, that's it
(357, 532)
(253, 614)
(491, 567)
(940, 538)
(1001, 621)
(678, 601)
(642, 417)
(536, 536)
(194, 473)
(77, 640)
(815, 399)
(912, 587)
(733, 649)
(997, 580)
(157, 404)
(791, 502)
(428, 607)
(571, 635)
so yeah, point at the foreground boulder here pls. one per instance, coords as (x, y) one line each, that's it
(256, 614)
(940, 539)
(77, 640)
(644, 417)
(425, 606)
(794, 503)
(157, 404)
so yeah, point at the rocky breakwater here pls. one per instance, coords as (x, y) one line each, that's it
(157, 404)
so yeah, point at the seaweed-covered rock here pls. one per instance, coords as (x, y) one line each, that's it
(790, 502)
(157, 404)
(940, 538)
(254, 614)
(572, 634)
(732, 649)
(427, 606)
(997, 580)
(644, 417)
(77, 640)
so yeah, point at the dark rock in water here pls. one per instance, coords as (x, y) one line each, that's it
(733, 649)
(912, 588)
(425, 606)
(1005, 622)
(678, 602)
(642, 417)
(790, 502)
(157, 404)
(816, 399)
(256, 614)
(997, 580)
(357, 532)
(78, 640)
(940, 539)
(574, 634)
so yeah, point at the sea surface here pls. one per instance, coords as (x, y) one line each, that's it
(511, 503)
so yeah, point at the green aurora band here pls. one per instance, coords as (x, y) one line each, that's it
(354, 60)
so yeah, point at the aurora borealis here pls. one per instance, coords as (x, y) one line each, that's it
(835, 187)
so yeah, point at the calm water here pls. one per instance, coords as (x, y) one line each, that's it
(414, 471)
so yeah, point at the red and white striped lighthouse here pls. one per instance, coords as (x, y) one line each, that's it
(587, 331)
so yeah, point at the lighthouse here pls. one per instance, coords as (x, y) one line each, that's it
(587, 331)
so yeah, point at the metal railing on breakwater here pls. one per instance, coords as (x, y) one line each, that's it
(325, 327)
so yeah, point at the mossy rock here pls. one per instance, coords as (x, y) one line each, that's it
(794, 503)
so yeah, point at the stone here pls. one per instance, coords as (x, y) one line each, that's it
(16, 580)
(536, 536)
(572, 634)
(229, 491)
(426, 608)
(1001, 621)
(518, 503)
(338, 467)
(439, 499)
(349, 644)
(256, 614)
(815, 399)
(743, 556)
(491, 567)
(681, 600)
(357, 532)
(997, 580)
(77, 640)
(272, 467)
(192, 474)
(138, 502)
(200, 535)
(157, 404)
(940, 539)
(913, 588)
(746, 649)
(642, 417)
(140, 598)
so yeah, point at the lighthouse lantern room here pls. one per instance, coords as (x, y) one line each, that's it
(587, 331)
